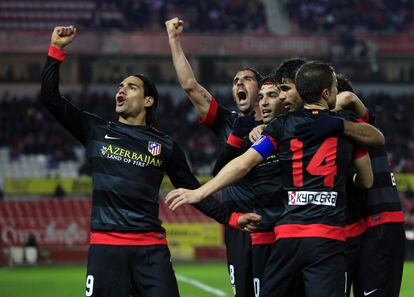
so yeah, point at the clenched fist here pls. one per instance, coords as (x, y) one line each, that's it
(62, 36)
(174, 27)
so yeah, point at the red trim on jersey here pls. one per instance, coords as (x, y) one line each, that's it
(365, 118)
(360, 151)
(274, 142)
(234, 141)
(233, 219)
(58, 54)
(118, 238)
(262, 238)
(385, 217)
(310, 230)
(209, 119)
(355, 229)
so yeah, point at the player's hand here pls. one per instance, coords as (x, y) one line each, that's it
(321, 127)
(181, 196)
(62, 36)
(249, 222)
(243, 125)
(174, 27)
(345, 100)
(256, 133)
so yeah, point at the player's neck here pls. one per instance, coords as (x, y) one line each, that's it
(133, 121)
(322, 104)
(257, 113)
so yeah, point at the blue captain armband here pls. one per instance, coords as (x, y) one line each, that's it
(265, 146)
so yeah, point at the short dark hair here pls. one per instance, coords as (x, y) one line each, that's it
(344, 83)
(268, 79)
(312, 78)
(256, 73)
(287, 70)
(149, 90)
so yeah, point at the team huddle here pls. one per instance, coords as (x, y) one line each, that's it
(309, 203)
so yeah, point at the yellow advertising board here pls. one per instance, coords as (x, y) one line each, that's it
(184, 238)
(47, 186)
(76, 186)
(405, 181)
(83, 185)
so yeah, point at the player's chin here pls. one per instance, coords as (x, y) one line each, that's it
(244, 108)
(120, 109)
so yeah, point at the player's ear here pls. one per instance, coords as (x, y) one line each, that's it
(149, 101)
(325, 94)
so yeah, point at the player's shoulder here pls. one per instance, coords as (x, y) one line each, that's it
(96, 119)
(157, 132)
(346, 115)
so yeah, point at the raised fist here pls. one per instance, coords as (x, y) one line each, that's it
(174, 27)
(62, 36)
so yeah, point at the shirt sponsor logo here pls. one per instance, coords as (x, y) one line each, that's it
(123, 155)
(309, 197)
(154, 148)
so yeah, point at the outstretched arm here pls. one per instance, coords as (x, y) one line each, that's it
(326, 125)
(232, 172)
(363, 134)
(198, 95)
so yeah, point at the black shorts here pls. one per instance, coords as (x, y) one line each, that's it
(381, 261)
(261, 254)
(352, 251)
(319, 262)
(239, 260)
(122, 271)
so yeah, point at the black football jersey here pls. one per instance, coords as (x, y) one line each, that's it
(127, 162)
(314, 175)
(239, 196)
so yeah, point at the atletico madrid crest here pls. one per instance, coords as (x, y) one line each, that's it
(154, 148)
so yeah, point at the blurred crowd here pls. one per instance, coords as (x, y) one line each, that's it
(200, 16)
(28, 129)
(372, 15)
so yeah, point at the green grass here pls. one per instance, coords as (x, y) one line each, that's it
(69, 281)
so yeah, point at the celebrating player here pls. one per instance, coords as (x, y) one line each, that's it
(128, 254)
(237, 197)
(310, 236)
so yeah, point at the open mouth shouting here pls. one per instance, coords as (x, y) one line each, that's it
(120, 99)
(242, 95)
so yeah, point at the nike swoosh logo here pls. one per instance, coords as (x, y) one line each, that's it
(110, 137)
(370, 292)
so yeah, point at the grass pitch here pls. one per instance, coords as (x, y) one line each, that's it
(69, 281)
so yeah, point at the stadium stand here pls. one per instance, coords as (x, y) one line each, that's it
(34, 145)
(61, 228)
(230, 16)
(333, 16)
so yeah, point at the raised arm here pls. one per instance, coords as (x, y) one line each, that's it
(350, 101)
(197, 94)
(364, 134)
(64, 111)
